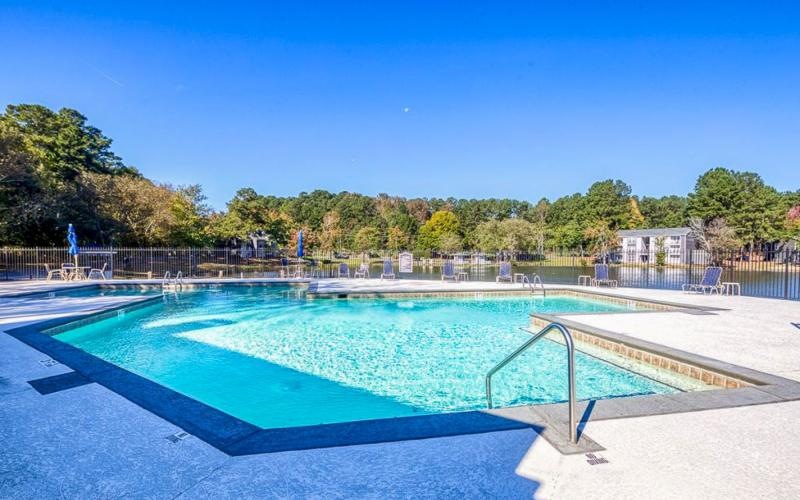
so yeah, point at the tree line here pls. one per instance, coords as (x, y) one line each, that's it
(55, 169)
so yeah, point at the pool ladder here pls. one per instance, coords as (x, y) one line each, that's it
(573, 427)
(172, 285)
(533, 282)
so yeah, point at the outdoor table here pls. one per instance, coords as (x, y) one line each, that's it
(585, 280)
(74, 273)
(462, 276)
(518, 277)
(728, 288)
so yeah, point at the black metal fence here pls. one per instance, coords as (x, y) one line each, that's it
(766, 273)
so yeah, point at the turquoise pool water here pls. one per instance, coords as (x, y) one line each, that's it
(269, 356)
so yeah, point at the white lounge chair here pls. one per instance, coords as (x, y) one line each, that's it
(100, 273)
(53, 273)
(362, 272)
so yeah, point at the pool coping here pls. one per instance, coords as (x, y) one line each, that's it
(234, 436)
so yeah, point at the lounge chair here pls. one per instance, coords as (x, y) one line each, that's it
(505, 273)
(601, 276)
(388, 270)
(710, 282)
(362, 272)
(53, 273)
(344, 270)
(449, 271)
(98, 273)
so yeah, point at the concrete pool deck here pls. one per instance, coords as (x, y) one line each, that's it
(87, 441)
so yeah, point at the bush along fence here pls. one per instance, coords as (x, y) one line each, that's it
(764, 273)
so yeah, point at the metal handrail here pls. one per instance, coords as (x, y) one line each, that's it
(538, 279)
(573, 428)
(532, 283)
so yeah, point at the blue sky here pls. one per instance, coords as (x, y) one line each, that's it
(453, 99)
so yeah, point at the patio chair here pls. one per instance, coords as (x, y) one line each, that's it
(505, 273)
(344, 271)
(285, 272)
(449, 271)
(100, 273)
(388, 270)
(53, 273)
(362, 272)
(710, 282)
(601, 276)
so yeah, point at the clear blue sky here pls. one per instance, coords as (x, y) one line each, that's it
(470, 100)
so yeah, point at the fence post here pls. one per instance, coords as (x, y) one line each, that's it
(785, 273)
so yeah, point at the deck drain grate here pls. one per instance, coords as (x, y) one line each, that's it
(49, 362)
(177, 437)
(595, 459)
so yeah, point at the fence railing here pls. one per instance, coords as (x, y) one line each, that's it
(766, 273)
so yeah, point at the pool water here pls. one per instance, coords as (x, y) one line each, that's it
(272, 357)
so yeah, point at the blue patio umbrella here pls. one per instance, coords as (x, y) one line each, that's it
(72, 239)
(300, 243)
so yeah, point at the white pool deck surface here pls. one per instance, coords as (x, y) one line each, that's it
(89, 442)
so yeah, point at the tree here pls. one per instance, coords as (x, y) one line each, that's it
(250, 213)
(366, 239)
(331, 232)
(667, 211)
(717, 194)
(22, 202)
(397, 239)
(139, 211)
(189, 217)
(442, 223)
(793, 223)
(488, 238)
(610, 201)
(754, 210)
(601, 239)
(57, 148)
(715, 237)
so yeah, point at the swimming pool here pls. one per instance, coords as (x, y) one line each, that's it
(272, 357)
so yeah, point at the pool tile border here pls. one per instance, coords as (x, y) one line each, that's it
(736, 385)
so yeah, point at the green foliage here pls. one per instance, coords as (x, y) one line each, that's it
(367, 238)
(440, 231)
(750, 207)
(600, 238)
(55, 168)
(251, 213)
(667, 211)
(661, 252)
(512, 235)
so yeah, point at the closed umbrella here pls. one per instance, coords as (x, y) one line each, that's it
(72, 239)
(300, 243)
(299, 251)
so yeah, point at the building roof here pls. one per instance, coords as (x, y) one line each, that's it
(654, 232)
